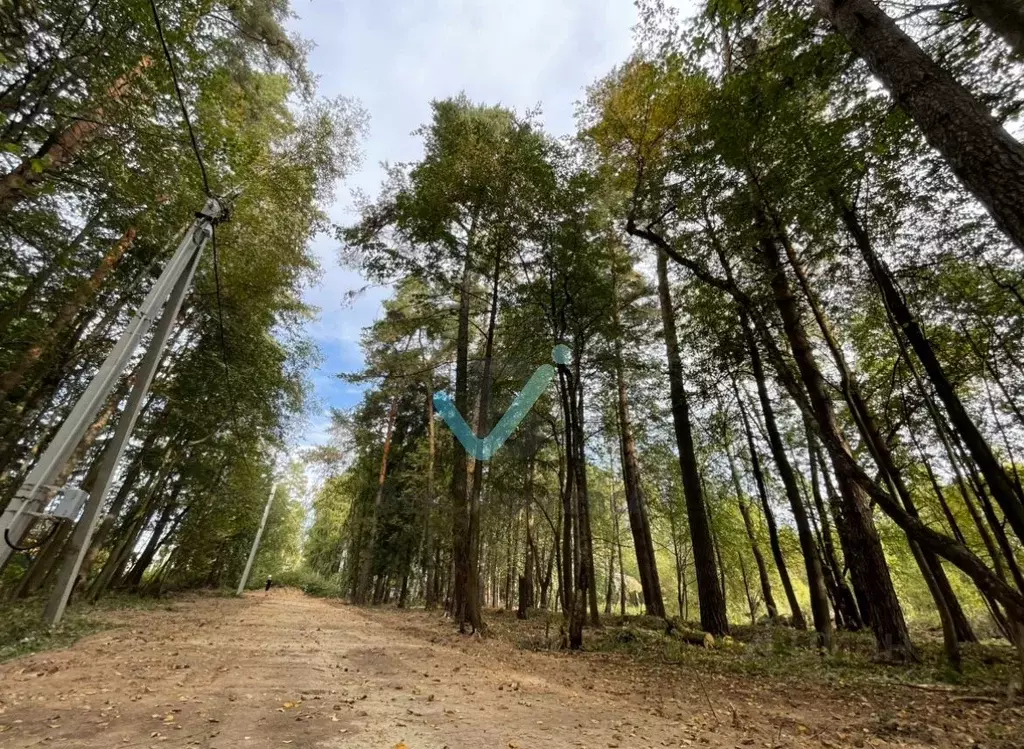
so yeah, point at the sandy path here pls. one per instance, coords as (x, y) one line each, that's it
(286, 670)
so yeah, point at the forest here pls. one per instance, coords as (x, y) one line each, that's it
(785, 253)
(785, 248)
(99, 177)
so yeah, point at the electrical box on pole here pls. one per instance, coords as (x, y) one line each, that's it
(71, 500)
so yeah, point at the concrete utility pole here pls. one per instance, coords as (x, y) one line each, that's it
(256, 541)
(34, 494)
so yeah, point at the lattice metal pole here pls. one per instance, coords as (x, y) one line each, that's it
(37, 489)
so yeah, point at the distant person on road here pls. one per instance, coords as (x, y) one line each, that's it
(267, 588)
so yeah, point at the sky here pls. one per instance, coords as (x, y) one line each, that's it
(395, 57)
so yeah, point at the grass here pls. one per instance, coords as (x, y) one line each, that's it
(777, 653)
(22, 630)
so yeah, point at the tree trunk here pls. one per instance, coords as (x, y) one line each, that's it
(429, 587)
(134, 577)
(999, 483)
(712, 599)
(769, 517)
(986, 158)
(574, 576)
(583, 495)
(946, 603)
(748, 524)
(812, 564)
(844, 600)
(854, 482)
(636, 507)
(864, 549)
(483, 425)
(64, 318)
(461, 605)
(61, 147)
(1004, 17)
(370, 539)
(18, 308)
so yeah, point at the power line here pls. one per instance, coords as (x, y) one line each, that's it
(181, 99)
(206, 187)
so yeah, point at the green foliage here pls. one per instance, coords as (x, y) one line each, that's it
(83, 243)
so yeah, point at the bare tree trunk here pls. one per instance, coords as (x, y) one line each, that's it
(812, 564)
(482, 423)
(986, 158)
(1004, 17)
(635, 504)
(931, 569)
(866, 560)
(583, 496)
(769, 517)
(61, 147)
(461, 558)
(18, 308)
(844, 600)
(999, 483)
(370, 539)
(430, 592)
(748, 524)
(712, 599)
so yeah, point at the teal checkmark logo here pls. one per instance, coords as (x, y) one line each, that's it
(483, 448)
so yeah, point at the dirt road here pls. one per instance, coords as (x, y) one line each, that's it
(283, 670)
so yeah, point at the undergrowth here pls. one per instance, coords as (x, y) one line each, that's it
(779, 653)
(22, 630)
(311, 583)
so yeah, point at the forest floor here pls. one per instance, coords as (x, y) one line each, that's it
(283, 669)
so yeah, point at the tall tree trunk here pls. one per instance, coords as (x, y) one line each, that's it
(954, 623)
(639, 523)
(748, 525)
(812, 564)
(574, 577)
(134, 578)
(751, 599)
(62, 146)
(769, 517)
(429, 588)
(616, 530)
(583, 495)
(370, 539)
(864, 549)
(999, 483)
(460, 498)
(844, 600)
(1004, 17)
(986, 158)
(854, 482)
(18, 308)
(527, 581)
(483, 425)
(712, 599)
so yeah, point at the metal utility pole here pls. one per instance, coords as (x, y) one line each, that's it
(256, 541)
(34, 494)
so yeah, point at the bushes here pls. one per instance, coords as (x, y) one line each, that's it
(311, 583)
